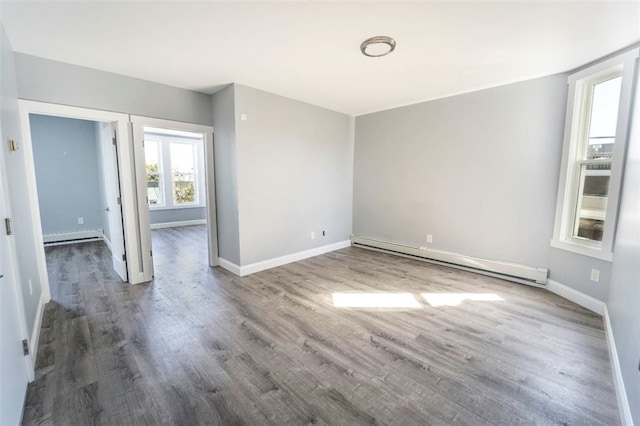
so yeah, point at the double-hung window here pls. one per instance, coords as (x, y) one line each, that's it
(175, 169)
(596, 127)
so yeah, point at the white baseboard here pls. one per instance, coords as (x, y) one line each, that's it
(72, 236)
(282, 260)
(35, 333)
(107, 243)
(179, 223)
(229, 266)
(618, 382)
(575, 296)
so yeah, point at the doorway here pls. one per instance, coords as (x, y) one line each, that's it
(124, 168)
(174, 161)
(78, 184)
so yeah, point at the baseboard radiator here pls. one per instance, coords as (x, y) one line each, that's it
(70, 237)
(510, 271)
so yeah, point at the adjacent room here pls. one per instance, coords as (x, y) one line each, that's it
(395, 213)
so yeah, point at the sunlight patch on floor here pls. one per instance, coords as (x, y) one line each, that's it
(375, 300)
(455, 299)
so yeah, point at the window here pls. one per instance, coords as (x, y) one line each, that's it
(183, 173)
(594, 145)
(154, 182)
(174, 161)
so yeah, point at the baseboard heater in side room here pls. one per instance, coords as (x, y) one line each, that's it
(510, 271)
(70, 237)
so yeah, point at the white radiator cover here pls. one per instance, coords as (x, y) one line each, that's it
(507, 270)
(72, 236)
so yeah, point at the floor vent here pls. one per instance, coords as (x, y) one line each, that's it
(510, 271)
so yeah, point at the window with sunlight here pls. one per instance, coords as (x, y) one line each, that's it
(596, 127)
(175, 168)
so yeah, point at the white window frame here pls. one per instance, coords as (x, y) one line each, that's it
(578, 102)
(166, 177)
(160, 175)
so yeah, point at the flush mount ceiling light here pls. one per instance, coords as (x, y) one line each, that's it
(377, 46)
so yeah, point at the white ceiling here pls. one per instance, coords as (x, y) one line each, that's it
(310, 50)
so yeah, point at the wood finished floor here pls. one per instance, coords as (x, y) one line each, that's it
(201, 346)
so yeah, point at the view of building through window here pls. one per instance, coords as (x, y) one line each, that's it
(172, 169)
(595, 159)
(183, 173)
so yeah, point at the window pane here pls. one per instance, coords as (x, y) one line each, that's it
(183, 173)
(592, 203)
(152, 159)
(603, 119)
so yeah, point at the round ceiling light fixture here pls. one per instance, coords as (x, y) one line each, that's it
(377, 46)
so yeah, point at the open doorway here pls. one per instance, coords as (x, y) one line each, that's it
(175, 162)
(176, 196)
(78, 183)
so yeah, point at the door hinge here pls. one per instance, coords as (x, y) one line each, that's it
(8, 224)
(13, 146)
(114, 140)
(124, 257)
(25, 347)
(151, 253)
(119, 201)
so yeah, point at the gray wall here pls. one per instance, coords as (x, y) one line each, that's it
(16, 166)
(177, 215)
(574, 270)
(45, 80)
(624, 295)
(295, 171)
(478, 171)
(66, 162)
(226, 171)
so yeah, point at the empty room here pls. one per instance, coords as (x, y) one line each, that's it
(338, 213)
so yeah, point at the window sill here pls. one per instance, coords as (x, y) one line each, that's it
(189, 206)
(582, 249)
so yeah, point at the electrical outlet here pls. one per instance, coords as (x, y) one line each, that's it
(81, 221)
(429, 238)
(595, 275)
(423, 248)
(313, 235)
(243, 117)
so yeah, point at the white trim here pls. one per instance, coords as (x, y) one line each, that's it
(290, 258)
(618, 382)
(138, 124)
(179, 223)
(69, 236)
(107, 243)
(35, 336)
(567, 202)
(577, 297)
(229, 266)
(125, 158)
(282, 260)
(582, 249)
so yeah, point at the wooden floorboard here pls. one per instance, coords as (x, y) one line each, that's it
(199, 345)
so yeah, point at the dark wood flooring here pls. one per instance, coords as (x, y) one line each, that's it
(201, 346)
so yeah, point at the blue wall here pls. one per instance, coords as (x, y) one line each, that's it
(67, 173)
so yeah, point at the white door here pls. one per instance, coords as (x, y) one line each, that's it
(13, 366)
(109, 144)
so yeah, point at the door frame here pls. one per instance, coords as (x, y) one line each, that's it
(13, 277)
(138, 124)
(127, 191)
